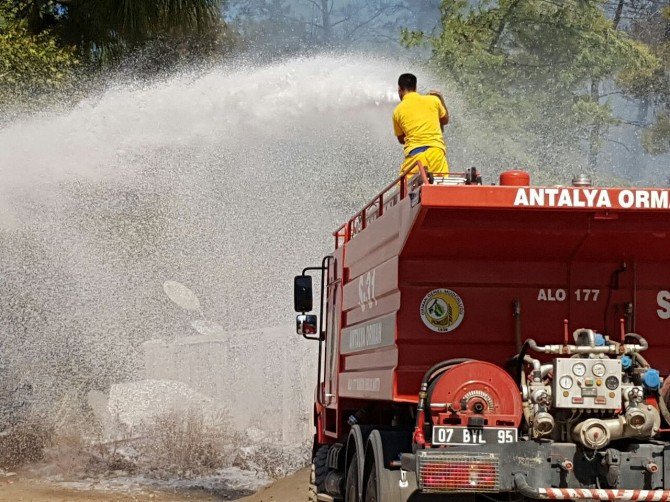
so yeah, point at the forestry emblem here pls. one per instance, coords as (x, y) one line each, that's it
(442, 310)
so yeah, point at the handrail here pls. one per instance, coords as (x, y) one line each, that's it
(347, 231)
(348, 227)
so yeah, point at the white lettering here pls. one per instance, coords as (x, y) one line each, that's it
(642, 199)
(549, 295)
(364, 384)
(365, 336)
(357, 338)
(521, 198)
(585, 295)
(590, 197)
(604, 199)
(474, 436)
(564, 199)
(366, 291)
(626, 199)
(444, 435)
(659, 200)
(505, 436)
(552, 193)
(373, 334)
(536, 197)
(663, 300)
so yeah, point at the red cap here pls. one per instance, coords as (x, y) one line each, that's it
(515, 178)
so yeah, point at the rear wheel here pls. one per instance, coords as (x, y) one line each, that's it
(371, 487)
(351, 491)
(319, 472)
(381, 484)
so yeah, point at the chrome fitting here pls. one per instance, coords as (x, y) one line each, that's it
(567, 466)
(543, 424)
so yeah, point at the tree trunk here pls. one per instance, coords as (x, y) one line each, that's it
(594, 136)
(617, 14)
(326, 21)
(503, 25)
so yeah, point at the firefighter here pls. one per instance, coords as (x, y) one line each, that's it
(418, 122)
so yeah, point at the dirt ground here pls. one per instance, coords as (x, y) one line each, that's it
(22, 489)
(292, 488)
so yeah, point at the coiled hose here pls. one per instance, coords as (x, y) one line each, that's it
(428, 378)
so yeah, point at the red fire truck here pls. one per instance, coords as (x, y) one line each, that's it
(502, 342)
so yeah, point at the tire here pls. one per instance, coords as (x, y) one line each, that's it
(351, 489)
(319, 472)
(371, 487)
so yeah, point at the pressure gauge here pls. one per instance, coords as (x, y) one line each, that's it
(612, 382)
(565, 382)
(579, 369)
(599, 370)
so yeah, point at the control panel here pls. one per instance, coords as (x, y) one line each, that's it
(587, 383)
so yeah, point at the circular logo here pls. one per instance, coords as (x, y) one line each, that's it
(442, 310)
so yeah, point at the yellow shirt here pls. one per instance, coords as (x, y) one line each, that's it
(418, 118)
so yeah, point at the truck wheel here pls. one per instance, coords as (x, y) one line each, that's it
(371, 487)
(317, 477)
(351, 491)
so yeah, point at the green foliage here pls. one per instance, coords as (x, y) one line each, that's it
(106, 30)
(31, 65)
(111, 26)
(656, 139)
(653, 87)
(638, 79)
(299, 26)
(535, 67)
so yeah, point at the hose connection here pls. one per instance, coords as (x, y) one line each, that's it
(567, 466)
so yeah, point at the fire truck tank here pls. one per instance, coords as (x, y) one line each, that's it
(470, 271)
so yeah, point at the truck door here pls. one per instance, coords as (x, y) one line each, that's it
(333, 310)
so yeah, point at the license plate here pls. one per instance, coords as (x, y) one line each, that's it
(463, 435)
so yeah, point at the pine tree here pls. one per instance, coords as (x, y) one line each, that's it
(535, 68)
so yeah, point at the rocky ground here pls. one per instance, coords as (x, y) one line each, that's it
(19, 487)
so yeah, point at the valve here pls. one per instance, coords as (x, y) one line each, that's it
(651, 379)
(635, 395)
(651, 467)
(567, 466)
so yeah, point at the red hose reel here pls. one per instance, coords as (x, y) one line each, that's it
(475, 393)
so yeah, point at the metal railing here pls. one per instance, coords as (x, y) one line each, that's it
(406, 183)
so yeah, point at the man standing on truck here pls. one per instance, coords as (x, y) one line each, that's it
(418, 122)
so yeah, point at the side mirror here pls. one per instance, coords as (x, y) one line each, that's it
(306, 325)
(302, 293)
